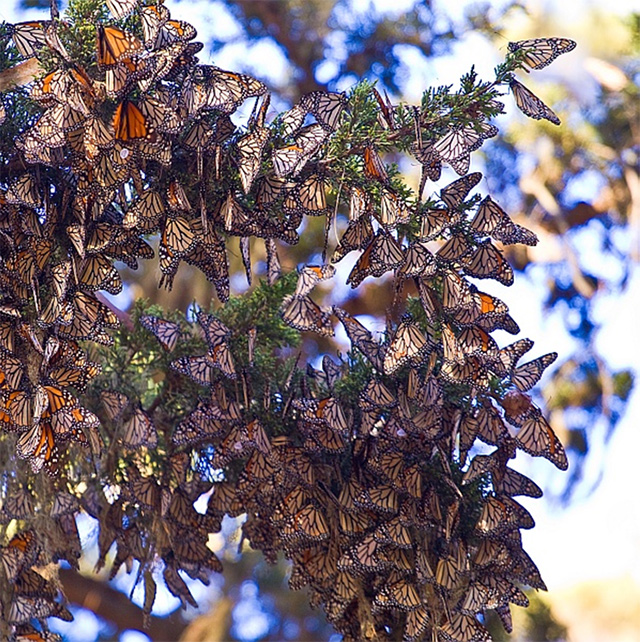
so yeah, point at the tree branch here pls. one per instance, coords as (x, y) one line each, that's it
(111, 605)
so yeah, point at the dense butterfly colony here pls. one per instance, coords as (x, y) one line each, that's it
(395, 520)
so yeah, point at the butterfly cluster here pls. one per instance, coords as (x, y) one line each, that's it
(367, 473)
(28, 594)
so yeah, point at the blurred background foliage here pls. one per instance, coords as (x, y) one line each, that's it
(576, 186)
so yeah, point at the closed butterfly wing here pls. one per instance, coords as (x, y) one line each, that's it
(250, 155)
(121, 8)
(114, 45)
(303, 314)
(526, 376)
(408, 343)
(167, 332)
(139, 430)
(327, 107)
(454, 193)
(537, 438)
(530, 105)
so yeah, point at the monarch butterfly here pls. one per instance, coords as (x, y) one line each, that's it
(24, 608)
(378, 394)
(417, 621)
(454, 249)
(121, 8)
(530, 105)
(160, 116)
(408, 343)
(113, 403)
(11, 371)
(129, 123)
(513, 483)
(379, 498)
(215, 331)
(301, 313)
(327, 410)
(472, 372)
(144, 491)
(327, 107)
(18, 504)
(214, 88)
(98, 273)
(167, 332)
(458, 143)
(31, 584)
(447, 572)
(176, 584)
(139, 430)
(392, 210)
(491, 219)
(47, 130)
(488, 262)
(431, 164)
(400, 594)
(311, 138)
(170, 32)
(288, 160)
(310, 276)
(27, 633)
(199, 425)
(360, 337)
(540, 52)
(454, 193)
(382, 254)
(511, 354)
(496, 517)
(250, 155)
(386, 116)
(526, 376)
(308, 197)
(145, 212)
(29, 37)
(153, 17)
(193, 550)
(358, 203)
(367, 556)
(290, 121)
(434, 221)
(200, 369)
(537, 438)
(178, 236)
(23, 191)
(114, 45)
(310, 524)
(38, 446)
(475, 341)
(373, 166)
(490, 426)
(418, 261)
(394, 532)
(452, 350)
(358, 235)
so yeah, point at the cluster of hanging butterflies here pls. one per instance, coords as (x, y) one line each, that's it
(27, 594)
(362, 494)
(144, 106)
(370, 496)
